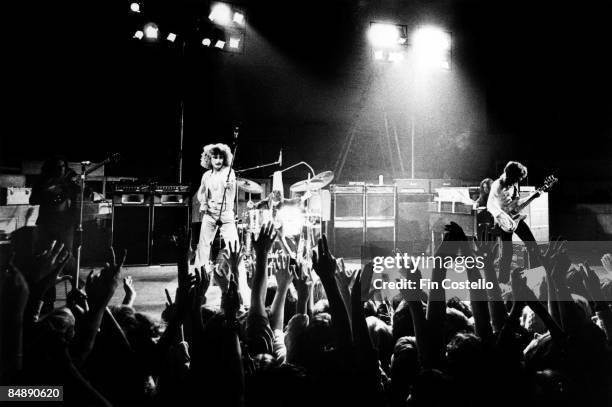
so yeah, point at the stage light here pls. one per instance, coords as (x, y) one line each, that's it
(239, 18)
(234, 42)
(206, 42)
(431, 46)
(221, 14)
(171, 37)
(138, 34)
(292, 220)
(384, 35)
(151, 31)
(135, 7)
(220, 44)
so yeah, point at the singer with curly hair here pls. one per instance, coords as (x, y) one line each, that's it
(216, 196)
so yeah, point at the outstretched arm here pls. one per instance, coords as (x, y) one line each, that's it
(324, 264)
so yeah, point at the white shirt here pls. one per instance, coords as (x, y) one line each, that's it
(211, 190)
(499, 197)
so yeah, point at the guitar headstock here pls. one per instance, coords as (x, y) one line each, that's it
(548, 183)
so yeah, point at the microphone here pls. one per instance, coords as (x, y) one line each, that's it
(236, 131)
(280, 158)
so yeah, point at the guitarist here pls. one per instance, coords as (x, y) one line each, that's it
(504, 192)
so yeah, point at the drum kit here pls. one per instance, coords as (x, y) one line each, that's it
(294, 219)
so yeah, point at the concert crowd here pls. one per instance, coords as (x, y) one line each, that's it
(303, 332)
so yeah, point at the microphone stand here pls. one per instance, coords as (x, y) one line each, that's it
(85, 170)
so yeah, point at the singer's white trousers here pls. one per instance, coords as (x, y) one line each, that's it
(228, 230)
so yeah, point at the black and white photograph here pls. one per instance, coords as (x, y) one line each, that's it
(393, 203)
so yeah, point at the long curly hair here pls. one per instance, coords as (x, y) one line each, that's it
(217, 149)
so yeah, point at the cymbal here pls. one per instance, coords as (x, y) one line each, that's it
(249, 186)
(317, 182)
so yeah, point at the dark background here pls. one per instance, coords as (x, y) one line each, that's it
(538, 75)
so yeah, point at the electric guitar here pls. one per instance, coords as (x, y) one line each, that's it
(514, 208)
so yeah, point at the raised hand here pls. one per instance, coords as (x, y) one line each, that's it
(606, 262)
(553, 249)
(201, 284)
(77, 302)
(130, 292)
(303, 283)
(169, 311)
(591, 282)
(222, 276)
(323, 261)
(284, 272)
(233, 256)
(52, 260)
(344, 276)
(263, 243)
(101, 287)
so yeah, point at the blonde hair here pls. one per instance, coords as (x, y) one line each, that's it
(215, 149)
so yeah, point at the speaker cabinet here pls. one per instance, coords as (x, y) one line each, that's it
(413, 222)
(168, 222)
(131, 231)
(349, 202)
(537, 215)
(347, 231)
(347, 241)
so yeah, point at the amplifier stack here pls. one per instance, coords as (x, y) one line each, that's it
(147, 218)
(380, 217)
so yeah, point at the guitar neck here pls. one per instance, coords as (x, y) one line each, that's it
(528, 201)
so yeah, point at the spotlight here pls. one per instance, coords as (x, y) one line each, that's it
(384, 35)
(220, 44)
(171, 37)
(239, 18)
(431, 46)
(138, 34)
(135, 7)
(220, 14)
(234, 42)
(206, 42)
(151, 31)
